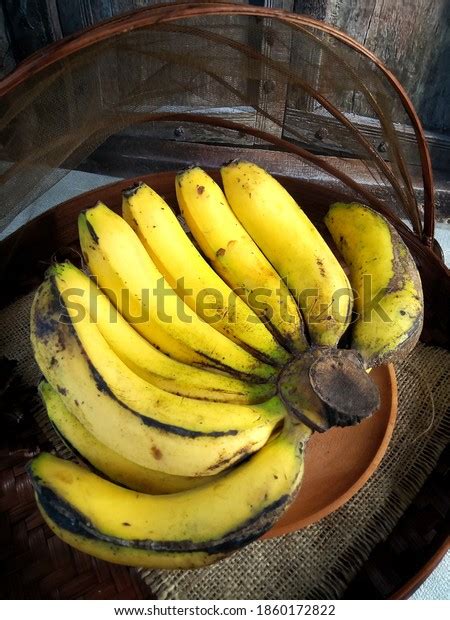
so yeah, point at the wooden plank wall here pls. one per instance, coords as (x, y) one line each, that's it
(411, 36)
(7, 61)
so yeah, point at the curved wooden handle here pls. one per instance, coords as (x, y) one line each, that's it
(425, 158)
(165, 13)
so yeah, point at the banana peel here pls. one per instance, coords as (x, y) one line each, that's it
(146, 409)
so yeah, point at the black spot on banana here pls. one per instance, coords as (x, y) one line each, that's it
(387, 286)
(102, 460)
(172, 251)
(293, 245)
(182, 530)
(130, 415)
(190, 412)
(146, 299)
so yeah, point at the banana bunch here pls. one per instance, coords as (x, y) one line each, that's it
(187, 371)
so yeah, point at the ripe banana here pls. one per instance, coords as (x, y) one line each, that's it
(148, 426)
(236, 257)
(199, 286)
(294, 247)
(118, 259)
(388, 291)
(163, 399)
(81, 294)
(101, 458)
(184, 530)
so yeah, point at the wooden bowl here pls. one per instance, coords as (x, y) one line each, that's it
(339, 462)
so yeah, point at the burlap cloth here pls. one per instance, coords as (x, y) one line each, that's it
(319, 561)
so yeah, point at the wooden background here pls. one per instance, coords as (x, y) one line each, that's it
(411, 36)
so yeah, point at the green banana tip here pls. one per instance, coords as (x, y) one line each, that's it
(296, 430)
(58, 268)
(44, 390)
(43, 386)
(53, 270)
(82, 219)
(239, 161)
(84, 213)
(331, 209)
(344, 205)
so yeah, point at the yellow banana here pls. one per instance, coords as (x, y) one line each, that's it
(188, 413)
(118, 259)
(236, 258)
(182, 530)
(146, 425)
(388, 291)
(113, 465)
(293, 246)
(82, 295)
(189, 274)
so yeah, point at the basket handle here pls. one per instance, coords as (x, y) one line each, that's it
(169, 12)
(424, 153)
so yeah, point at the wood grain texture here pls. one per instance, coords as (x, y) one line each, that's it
(303, 56)
(164, 14)
(182, 132)
(326, 135)
(413, 39)
(78, 14)
(121, 6)
(314, 8)
(7, 62)
(276, 45)
(179, 55)
(31, 25)
(136, 152)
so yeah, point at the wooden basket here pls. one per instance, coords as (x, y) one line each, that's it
(37, 565)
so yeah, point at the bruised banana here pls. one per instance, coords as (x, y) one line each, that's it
(236, 257)
(189, 274)
(148, 426)
(388, 291)
(110, 463)
(183, 530)
(294, 247)
(82, 295)
(126, 272)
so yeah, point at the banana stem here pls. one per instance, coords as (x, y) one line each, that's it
(328, 387)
